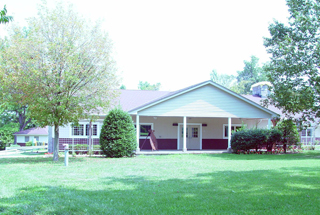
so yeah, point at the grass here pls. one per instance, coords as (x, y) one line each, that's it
(173, 184)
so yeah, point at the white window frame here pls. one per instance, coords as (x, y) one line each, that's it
(224, 129)
(84, 130)
(304, 134)
(143, 123)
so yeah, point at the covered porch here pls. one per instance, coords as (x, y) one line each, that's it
(201, 117)
(191, 134)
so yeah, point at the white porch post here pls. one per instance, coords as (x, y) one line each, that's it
(269, 123)
(138, 132)
(229, 134)
(184, 148)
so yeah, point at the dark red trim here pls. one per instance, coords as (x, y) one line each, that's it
(164, 144)
(214, 143)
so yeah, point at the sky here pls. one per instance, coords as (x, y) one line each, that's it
(175, 42)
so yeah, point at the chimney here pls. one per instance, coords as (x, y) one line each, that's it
(261, 89)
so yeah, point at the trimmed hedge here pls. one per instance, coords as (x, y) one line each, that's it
(248, 139)
(118, 136)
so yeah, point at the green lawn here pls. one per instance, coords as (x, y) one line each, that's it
(175, 184)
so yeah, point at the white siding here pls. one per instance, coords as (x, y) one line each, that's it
(20, 139)
(206, 101)
(66, 131)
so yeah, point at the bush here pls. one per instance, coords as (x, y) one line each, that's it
(29, 143)
(118, 136)
(290, 134)
(247, 139)
(274, 136)
(2, 145)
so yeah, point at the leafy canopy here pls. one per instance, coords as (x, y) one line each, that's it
(295, 60)
(147, 86)
(4, 18)
(222, 79)
(62, 68)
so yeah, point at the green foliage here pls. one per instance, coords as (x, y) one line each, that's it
(290, 134)
(4, 18)
(62, 69)
(248, 139)
(117, 136)
(294, 67)
(273, 136)
(222, 79)
(6, 134)
(29, 143)
(123, 87)
(252, 73)
(147, 86)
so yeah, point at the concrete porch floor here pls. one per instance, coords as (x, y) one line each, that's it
(170, 152)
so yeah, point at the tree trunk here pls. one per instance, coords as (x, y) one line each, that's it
(56, 143)
(285, 148)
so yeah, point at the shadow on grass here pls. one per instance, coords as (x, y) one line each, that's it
(289, 191)
(288, 156)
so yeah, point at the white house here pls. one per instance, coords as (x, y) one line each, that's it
(199, 117)
(33, 135)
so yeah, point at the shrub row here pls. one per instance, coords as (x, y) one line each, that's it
(247, 139)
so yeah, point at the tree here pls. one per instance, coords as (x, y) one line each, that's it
(3, 16)
(147, 86)
(294, 67)
(123, 87)
(252, 73)
(63, 69)
(222, 79)
(118, 136)
(290, 135)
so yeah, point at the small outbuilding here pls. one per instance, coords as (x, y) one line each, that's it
(33, 135)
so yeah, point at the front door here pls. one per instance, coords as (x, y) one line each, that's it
(193, 137)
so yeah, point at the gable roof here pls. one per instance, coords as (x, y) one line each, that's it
(170, 95)
(33, 131)
(130, 99)
(259, 100)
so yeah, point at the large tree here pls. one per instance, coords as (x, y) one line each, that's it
(251, 74)
(295, 61)
(4, 18)
(147, 86)
(222, 79)
(63, 69)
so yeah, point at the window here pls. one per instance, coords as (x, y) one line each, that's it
(306, 131)
(234, 128)
(144, 129)
(83, 130)
(94, 130)
(36, 138)
(195, 132)
(77, 130)
(26, 138)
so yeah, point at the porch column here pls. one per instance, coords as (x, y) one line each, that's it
(138, 132)
(269, 123)
(229, 134)
(184, 148)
